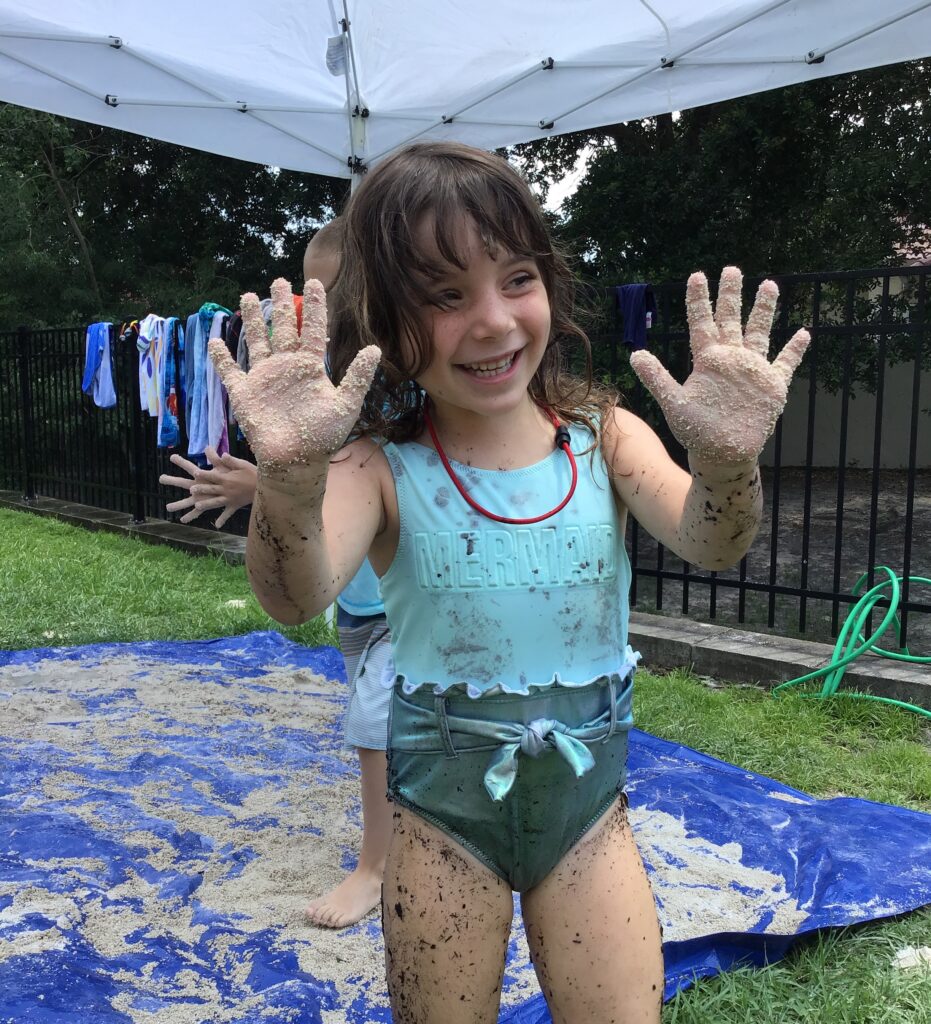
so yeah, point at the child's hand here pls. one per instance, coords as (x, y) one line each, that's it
(290, 412)
(729, 405)
(229, 484)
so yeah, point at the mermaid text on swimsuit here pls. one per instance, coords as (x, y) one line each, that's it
(527, 556)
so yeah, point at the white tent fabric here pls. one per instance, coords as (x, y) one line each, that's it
(332, 85)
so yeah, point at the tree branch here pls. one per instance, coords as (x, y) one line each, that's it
(49, 158)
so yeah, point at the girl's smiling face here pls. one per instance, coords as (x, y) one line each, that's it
(489, 322)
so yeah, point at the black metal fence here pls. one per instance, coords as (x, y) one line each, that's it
(846, 476)
(842, 493)
(58, 444)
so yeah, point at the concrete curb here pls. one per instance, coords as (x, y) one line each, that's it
(195, 540)
(741, 656)
(723, 652)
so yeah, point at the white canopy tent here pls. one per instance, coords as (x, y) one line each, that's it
(330, 86)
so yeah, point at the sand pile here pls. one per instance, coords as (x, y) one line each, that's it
(173, 820)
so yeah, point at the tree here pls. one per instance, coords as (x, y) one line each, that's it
(829, 175)
(101, 224)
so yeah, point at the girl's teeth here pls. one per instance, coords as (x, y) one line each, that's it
(490, 369)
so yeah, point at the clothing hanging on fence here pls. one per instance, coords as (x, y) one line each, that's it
(217, 402)
(234, 329)
(98, 370)
(190, 330)
(242, 349)
(637, 306)
(171, 384)
(177, 383)
(198, 419)
(129, 331)
(150, 342)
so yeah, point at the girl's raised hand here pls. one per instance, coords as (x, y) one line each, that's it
(728, 406)
(289, 410)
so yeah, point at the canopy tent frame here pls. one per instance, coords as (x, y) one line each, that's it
(355, 115)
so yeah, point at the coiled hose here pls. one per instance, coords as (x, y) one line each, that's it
(851, 642)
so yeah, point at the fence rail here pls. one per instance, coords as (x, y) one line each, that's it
(846, 475)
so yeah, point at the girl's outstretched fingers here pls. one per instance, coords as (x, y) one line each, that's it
(702, 330)
(256, 331)
(189, 467)
(656, 379)
(787, 362)
(727, 308)
(358, 377)
(284, 318)
(760, 320)
(314, 327)
(225, 365)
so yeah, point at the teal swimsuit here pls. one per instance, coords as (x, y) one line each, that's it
(512, 699)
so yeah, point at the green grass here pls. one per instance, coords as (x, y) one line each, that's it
(60, 585)
(826, 748)
(838, 977)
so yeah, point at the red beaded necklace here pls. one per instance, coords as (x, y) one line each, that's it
(562, 441)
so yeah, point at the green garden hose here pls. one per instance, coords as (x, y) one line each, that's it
(851, 642)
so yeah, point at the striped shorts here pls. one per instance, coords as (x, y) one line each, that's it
(365, 642)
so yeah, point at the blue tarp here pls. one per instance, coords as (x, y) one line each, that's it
(141, 785)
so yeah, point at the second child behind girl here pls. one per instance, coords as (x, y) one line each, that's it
(491, 491)
(364, 641)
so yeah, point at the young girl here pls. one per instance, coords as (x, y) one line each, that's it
(499, 543)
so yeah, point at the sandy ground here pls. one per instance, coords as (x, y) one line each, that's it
(194, 815)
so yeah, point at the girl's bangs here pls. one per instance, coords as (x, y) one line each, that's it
(502, 217)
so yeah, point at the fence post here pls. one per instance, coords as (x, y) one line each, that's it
(24, 339)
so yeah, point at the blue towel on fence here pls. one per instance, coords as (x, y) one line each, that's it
(98, 372)
(635, 301)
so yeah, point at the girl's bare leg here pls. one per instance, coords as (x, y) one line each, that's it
(446, 920)
(360, 891)
(593, 932)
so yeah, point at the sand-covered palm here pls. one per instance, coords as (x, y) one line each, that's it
(728, 406)
(289, 410)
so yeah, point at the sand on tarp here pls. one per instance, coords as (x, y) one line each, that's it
(170, 815)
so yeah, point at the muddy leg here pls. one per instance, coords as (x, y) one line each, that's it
(593, 931)
(446, 920)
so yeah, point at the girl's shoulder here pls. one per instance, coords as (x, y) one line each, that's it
(623, 436)
(363, 457)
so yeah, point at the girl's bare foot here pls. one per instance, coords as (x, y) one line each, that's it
(357, 894)
(360, 891)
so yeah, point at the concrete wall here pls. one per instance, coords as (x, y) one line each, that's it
(861, 424)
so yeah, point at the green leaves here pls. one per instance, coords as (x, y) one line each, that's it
(830, 175)
(101, 224)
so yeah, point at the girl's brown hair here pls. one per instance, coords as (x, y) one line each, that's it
(384, 279)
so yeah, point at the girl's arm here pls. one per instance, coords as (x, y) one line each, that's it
(313, 520)
(708, 517)
(722, 415)
(311, 530)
